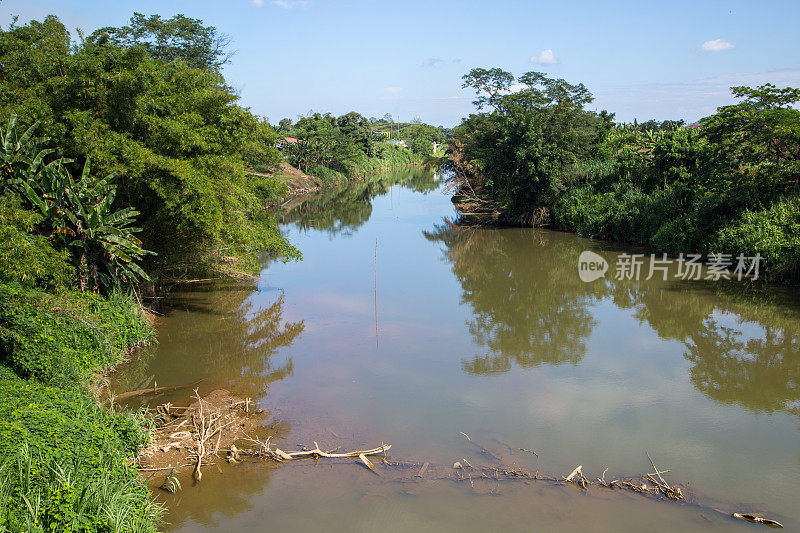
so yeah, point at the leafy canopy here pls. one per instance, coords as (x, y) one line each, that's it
(179, 147)
(177, 38)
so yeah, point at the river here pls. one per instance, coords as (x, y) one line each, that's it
(399, 327)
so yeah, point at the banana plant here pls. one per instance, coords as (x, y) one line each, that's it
(20, 159)
(78, 213)
(103, 237)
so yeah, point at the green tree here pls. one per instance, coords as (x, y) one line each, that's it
(522, 148)
(357, 129)
(177, 38)
(174, 137)
(763, 128)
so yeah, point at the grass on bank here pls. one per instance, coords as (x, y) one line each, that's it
(65, 459)
(359, 165)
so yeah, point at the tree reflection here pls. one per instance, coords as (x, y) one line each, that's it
(762, 374)
(529, 305)
(340, 211)
(754, 361)
(531, 308)
(421, 179)
(226, 337)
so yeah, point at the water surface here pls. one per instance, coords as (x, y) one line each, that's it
(400, 327)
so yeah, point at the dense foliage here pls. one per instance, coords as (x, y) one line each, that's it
(178, 146)
(344, 148)
(728, 185)
(123, 157)
(63, 462)
(64, 459)
(62, 339)
(74, 214)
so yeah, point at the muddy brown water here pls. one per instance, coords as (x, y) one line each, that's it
(490, 332)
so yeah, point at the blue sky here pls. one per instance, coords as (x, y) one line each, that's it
(644, 59)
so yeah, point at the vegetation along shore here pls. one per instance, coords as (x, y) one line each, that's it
(128, 166)
(727, 185)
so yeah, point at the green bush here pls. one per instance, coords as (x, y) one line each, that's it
(328, 176)
(681, 156)
(27, 259)
(359, 164)
(61, 339)
(774, 233)
(613, 214)
(63, 462)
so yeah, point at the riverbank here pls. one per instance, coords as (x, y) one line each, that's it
(298, 183)
(65, 459)
(623, 213)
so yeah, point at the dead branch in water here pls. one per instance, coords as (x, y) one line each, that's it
(482, 450)
(206, 426)
(209, 419)
(265, 449)
(663, 486)
(758, 520)
(152, 390)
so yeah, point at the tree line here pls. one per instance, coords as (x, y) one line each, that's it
(534, 153)
(351, 145)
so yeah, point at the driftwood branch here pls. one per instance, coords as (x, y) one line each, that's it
(152, 390)
(758, 520)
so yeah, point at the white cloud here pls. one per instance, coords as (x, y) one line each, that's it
(392, 90)
(545, 58)
(432, 62)
(257, 3)
(717, 45)
(285, 4)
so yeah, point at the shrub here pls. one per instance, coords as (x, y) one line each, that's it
(27, 259)
(60, 339)
(63, 462)
(680, 156)
(611, 214)
(327, 175)
(774, 233)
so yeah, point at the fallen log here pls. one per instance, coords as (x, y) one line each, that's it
(758, 520)
(151, 390)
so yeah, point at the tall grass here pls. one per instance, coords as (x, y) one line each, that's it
(64, 459)
(69, 500)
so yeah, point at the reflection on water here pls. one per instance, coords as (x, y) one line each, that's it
(527, 308)
(338, 211)
(762, 374)
(491, 332)
(219, 336)
(531, 308)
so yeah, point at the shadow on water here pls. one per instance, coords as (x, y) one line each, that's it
(531, 308)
